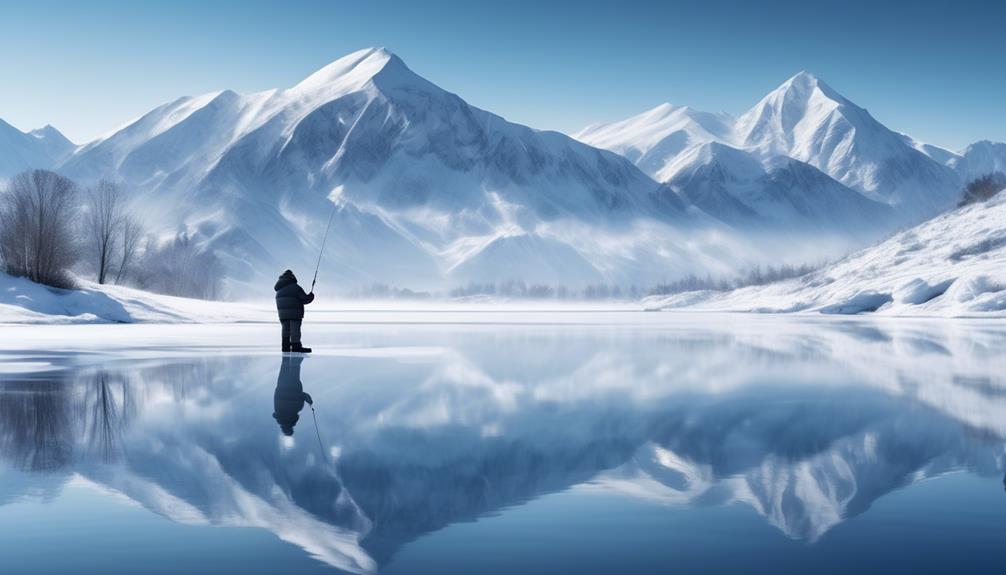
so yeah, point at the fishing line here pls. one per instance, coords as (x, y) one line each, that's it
(367, 522)
(317, 432)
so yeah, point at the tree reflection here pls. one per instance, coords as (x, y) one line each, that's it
(105, 411)
(45, 423)
(36, 424)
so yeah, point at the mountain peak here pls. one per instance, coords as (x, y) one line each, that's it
(353, 69)
(803, 77)
(48, 132)
(662, 109)
(790, 114)
(802, 86)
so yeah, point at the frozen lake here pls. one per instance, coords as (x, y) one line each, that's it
(506, 442)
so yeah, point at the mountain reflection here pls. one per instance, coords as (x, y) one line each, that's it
(808, 425)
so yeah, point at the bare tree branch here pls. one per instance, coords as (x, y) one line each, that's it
(37, 216)
(103, 223)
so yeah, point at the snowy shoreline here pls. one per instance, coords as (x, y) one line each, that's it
(112, 305)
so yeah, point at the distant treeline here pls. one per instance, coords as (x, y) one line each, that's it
(51, 230)
(517, 289)
(755, 276)
(508, 289)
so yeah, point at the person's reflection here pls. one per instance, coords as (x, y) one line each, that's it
(290, 397)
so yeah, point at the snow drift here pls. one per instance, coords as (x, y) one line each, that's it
(23, 301)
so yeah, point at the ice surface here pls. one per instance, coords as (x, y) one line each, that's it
(437, 418)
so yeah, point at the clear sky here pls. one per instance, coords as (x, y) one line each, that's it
(936, 70)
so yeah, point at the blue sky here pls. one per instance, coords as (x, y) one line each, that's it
(935, 70)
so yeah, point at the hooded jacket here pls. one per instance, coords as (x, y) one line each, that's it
(290, 297)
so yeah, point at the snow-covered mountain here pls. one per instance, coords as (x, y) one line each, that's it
(803, 119)
(652, 139)
(951, 265)
(978, 159)
(42, 148)
(430, 192)
(429, 189)
(778, 195)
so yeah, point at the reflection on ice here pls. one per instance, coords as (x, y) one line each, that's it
(806, 423)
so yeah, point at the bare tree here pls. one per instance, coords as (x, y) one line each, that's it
(37, 238)
(129, 243)
(180, 267)
(103, 226)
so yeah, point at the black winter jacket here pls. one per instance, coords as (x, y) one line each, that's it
(290, 297)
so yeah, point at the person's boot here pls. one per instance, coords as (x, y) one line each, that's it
(298, 348)
(286, 345)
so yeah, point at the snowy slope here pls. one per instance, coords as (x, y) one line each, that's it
(22, 301)
(806, 120)
(652, 139)
(777, 195)
(42, 148)
(425, 185)
(951, 265)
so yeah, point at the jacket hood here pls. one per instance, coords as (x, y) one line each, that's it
(284, 280)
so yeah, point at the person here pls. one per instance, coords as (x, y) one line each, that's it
(290, 301)
(289, 399)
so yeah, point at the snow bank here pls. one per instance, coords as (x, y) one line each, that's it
(952, 265)
(23, 301)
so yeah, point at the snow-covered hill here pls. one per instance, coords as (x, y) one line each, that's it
(429, 189)
(26, 302)
(41, 148)
(803, 119)
(951, 265)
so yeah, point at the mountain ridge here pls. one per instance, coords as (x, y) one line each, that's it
(428, 191)
(254, 177)
(806, 119)
(40, 148)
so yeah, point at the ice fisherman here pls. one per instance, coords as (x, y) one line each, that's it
(289, 399)
(290, 302)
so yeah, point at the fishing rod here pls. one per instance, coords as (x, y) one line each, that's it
(367, 523)
(322, 250)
